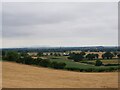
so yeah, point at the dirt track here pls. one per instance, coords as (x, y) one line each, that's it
(25, 76)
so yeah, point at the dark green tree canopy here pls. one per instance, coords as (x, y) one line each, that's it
(98, 63)
(12, 56)
(107, 55)
(76, 57)
(92, 56)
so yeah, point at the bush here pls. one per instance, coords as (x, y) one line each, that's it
(37, 61)
(70, 58)
(87, 62)
(54, 58)
(19, 61)
(108, 69)
(12, 56)
(57, 65)
(76, 57)
(107, 55)
(88, 70)
(27, 60)
(111, 64)
(45, 63)
(73, 69)
(98, 69)
(98, 63)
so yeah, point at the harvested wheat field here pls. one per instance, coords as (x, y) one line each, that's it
(25, 76)
(0, 75)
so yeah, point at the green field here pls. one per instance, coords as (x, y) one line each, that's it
(72, 64)
(0, 58)
(106, 61)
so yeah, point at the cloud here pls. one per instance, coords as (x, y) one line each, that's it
(73, 24)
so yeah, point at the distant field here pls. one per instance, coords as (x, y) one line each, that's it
(0, 58)
(71, 63)
(26, 76)
(115, 61)
(106, 61)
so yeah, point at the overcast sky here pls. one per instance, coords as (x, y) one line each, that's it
(60, 24)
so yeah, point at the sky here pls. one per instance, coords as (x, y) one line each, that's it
(51, 24)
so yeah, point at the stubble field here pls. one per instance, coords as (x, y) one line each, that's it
(25, 76)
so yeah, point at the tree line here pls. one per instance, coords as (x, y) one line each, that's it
(81, 56)
(24, 58)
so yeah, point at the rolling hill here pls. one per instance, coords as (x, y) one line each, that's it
(25, 76)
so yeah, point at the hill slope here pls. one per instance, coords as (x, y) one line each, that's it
(25, 76)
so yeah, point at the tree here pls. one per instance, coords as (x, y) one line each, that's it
(90, 56)
(71, 55)
(40, 54)
(3, 53)
(57, 65)
(115, 53)
(76, 57)
(44, 62)
(27, 60)
(118, 55)
(23, 54)
(98, 63)
(82, 53)
(55, 54)
(37, 61)
(107, 55)
(51, 54)
(12, 56)
(96, 56)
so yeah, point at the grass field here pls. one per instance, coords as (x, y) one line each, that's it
(26, 76)
(0, 58)
(115, 61)
(70, 63)
(106, 61)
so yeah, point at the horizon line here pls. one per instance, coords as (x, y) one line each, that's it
(59, 46)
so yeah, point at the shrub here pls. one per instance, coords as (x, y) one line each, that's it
(57, 65)
(27, 60)
(37, 61)
(88, 70)
(73, 69)
(98, 69)
(118, 56)
(87, 62)
(54, 58)
(107, 55)
(19, 60)
(98, 63)
(70, 58)
(12, 56)
(111, 64)
(40, 54)
(45, 63)
(76, 57)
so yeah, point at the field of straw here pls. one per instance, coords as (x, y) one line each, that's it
(25, 76)
(0, 75)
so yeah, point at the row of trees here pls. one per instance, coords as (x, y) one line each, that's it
(80, 56)
(24, 58)
(107, 55)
